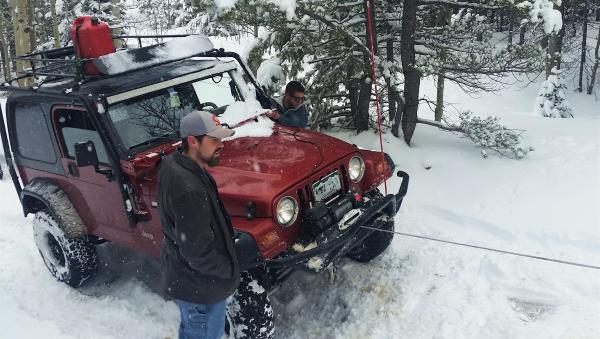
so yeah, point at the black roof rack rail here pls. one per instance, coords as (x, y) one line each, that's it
(62, 63)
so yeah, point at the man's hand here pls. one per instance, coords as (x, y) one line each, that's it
(273, 114)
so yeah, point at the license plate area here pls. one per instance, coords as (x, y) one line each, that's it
(327, 187)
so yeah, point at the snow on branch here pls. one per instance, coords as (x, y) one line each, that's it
(551, 101)
(333, 24)
(461, 4)
(487, 134)
(287, 6)
(543, 10)
(270, 73)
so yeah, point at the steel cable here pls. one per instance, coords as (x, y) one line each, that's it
(487, 248)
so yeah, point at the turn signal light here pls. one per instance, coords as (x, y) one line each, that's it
(269, 240)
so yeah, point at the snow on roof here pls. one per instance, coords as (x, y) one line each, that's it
(132, 59)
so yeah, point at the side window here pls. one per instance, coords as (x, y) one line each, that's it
(33, 136)
(220, 90)
(74, 126)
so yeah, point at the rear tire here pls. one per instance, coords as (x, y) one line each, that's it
(70, 260)
(249, 314)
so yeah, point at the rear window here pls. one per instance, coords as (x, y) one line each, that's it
(33, 136)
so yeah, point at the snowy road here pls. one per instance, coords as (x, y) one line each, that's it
(547, 204)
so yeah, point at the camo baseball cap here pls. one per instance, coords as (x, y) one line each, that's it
(203, 123)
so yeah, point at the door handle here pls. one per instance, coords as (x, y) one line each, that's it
(73, 170)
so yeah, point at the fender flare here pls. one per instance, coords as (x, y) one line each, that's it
(42, 194)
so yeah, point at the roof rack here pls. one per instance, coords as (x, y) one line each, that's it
(62, 63)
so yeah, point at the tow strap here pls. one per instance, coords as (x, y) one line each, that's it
(372, 50)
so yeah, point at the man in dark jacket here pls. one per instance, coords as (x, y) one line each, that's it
(200, 266)
(290, 109)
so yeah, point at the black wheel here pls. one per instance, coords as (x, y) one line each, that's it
(249, 314)
(70, 260)
(375, 243)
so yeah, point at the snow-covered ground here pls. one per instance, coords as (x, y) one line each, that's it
(547, 204)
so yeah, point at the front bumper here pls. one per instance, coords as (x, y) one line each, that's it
(335, 242)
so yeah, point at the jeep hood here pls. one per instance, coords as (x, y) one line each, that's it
(260, 168)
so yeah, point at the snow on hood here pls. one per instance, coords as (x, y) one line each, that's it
(239, 112)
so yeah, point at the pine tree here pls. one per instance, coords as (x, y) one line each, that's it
(551, 101)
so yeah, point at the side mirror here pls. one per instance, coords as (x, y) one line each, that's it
(85, 154)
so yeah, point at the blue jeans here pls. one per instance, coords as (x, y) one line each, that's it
(200, 321)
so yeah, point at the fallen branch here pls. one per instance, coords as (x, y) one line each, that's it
(487, 134)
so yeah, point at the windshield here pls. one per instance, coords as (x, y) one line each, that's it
(154, 117)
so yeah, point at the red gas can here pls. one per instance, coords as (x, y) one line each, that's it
(91, 39)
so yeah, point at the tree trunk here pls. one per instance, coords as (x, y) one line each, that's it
(55, 31)
(352, 86)
(389, 44)
(552, 55)
(4, 50)
(595, 67)
(412, 78)
(561, 36)
(583, 47)
(398, 116)
(116, 13)
(511, 28)
(522, 35)
(361, 120)
(373, 25)
(30, 5)
(439, 101)
(21, 33)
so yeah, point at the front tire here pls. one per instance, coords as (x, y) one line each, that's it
(375, 243)
(249, 314)
(70, 260)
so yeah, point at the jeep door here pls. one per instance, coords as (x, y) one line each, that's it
(102, 200)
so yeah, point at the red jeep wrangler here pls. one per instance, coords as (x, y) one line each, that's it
(83, 150)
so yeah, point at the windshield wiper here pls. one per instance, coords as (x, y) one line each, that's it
(166, 136)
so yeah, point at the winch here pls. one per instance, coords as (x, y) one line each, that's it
(323, 216)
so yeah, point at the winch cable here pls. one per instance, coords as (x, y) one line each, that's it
(370, 23)
(537, 257)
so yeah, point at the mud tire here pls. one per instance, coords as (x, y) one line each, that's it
(378, 241)
(70, 260)
(374, 244)
(249, 314)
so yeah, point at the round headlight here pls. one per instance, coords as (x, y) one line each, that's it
(287, 211)
(356, 169)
